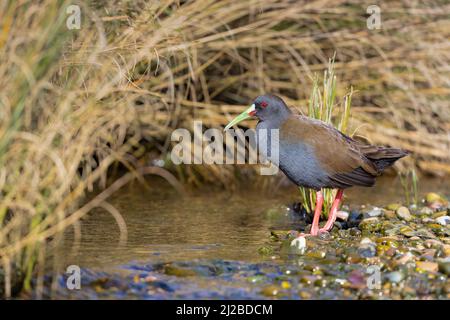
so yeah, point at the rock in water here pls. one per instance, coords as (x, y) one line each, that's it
(375, 212)
(443, 220)
(299, 245)
(403, 213)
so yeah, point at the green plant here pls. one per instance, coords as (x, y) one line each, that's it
(410, 181)
(322, 106)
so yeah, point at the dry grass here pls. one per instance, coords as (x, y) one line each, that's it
(76, 102)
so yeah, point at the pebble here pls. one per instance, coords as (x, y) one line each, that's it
(434, 198)
(389, 214)
(403, 213)
(446, 250)
(270, 291)
(178, 272)
(407, 231)
(308, 279)
(395, 277)
(370, 224)
(427, 266)
(444, 265)
(439, 214)
(426, 211)
(427, 220)
(265, 250)
(343, 215)
(443, 220)
(425, 233)
(393, 206)
(299, 245)
(367, 248)
(432, 243)
(285, 284)
(317, 254)
(305, 295)
(404, 259)
(375, 212)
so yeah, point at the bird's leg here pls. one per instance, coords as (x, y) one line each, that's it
(333, 211)
(317, 212)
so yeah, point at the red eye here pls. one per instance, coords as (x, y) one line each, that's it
(263, 104)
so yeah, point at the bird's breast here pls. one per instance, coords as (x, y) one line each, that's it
(296, 159)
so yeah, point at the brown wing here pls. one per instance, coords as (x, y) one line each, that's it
(338, 154)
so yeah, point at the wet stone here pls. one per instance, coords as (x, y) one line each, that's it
(444, 265)
(266, 250)
(403, 213)
(371, 224)
(375, 212)
(443, 220)
(343, 215)
(427, 266)
(393, 206)
(438, 214)
(390, 214)
(407, 231)
(322, 282)
(367, 248)
(298, 246)
(428, 220)
(305, 294)
(316, 254)
(425, 233)
(446, 250)
(178, 271)
(395, 277)
(271, 291)
(435, 200)
(308, 280)
(404, 259)
(426, 211)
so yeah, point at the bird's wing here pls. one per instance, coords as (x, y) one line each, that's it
(338, 154)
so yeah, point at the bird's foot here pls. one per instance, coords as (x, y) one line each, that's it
(325, 230)
(322, 232)
(305, 235)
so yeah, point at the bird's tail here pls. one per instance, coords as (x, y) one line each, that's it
(383, 157)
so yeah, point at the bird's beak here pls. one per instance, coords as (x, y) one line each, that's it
(250, 112)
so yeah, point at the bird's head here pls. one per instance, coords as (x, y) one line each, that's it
(265, 107)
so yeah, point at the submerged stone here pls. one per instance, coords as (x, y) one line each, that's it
(270, 291)
(172, 270)
(266, 250)
(317, 254)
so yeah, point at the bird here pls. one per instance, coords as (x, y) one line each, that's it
(316, 155)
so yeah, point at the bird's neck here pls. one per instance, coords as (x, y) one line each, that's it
(275, 122)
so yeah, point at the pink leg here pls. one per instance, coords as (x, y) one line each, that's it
(333, 211)
(317, 212)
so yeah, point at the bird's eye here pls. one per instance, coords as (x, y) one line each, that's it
(263, 104)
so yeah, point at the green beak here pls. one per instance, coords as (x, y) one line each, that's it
(250, 112)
